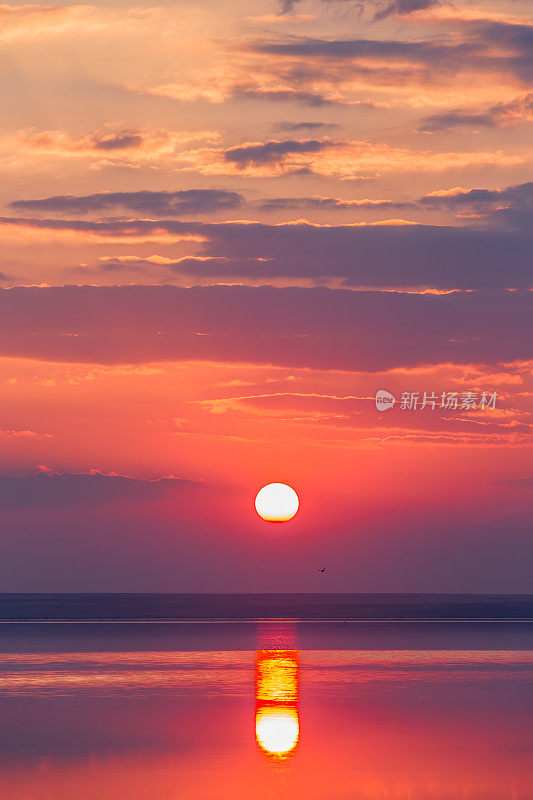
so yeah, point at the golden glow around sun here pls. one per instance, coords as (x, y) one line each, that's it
(276, 502)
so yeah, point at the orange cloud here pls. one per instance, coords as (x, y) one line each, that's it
(134, 233)
(26, 22)
(110, 143)
(344, 160)
(23, 434)
(373, 73)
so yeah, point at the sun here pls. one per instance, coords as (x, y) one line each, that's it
(277, 730)
(276, 502)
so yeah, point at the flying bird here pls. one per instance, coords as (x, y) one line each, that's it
(322, 570)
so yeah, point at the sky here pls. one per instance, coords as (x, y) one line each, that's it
(224, 227)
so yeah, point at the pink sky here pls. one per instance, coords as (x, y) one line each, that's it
(224, 227)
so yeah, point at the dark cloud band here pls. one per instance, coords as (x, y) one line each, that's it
(386, 256)
(48, 489)
(317, 328)
(185, 202)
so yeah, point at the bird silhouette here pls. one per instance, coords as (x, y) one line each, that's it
(322, 570)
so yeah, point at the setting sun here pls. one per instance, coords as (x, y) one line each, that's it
(276, 502)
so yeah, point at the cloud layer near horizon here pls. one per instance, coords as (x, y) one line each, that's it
(388, 255)
(48, 489)
(319, 328)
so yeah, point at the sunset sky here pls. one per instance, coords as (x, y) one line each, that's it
(224, 227)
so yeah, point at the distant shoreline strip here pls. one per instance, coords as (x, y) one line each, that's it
(251, 620)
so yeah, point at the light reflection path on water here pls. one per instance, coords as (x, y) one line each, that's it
(229, 724)
(277, 726)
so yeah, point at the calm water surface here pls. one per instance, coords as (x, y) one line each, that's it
(381, 711)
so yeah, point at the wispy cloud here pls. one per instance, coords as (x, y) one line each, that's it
(402, 7)
(32, 21)
(518, 110)
(110, 143)
(379, 9)
(274, 152)
(343, 159)
(525, 482)
(329, 203)
(49, 489)
(173, 204)
(511, 207)
(23, 433)
(308, 127)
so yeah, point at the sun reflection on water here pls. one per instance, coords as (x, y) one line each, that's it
(277, 727)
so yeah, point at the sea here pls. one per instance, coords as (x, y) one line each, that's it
(226, 697)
